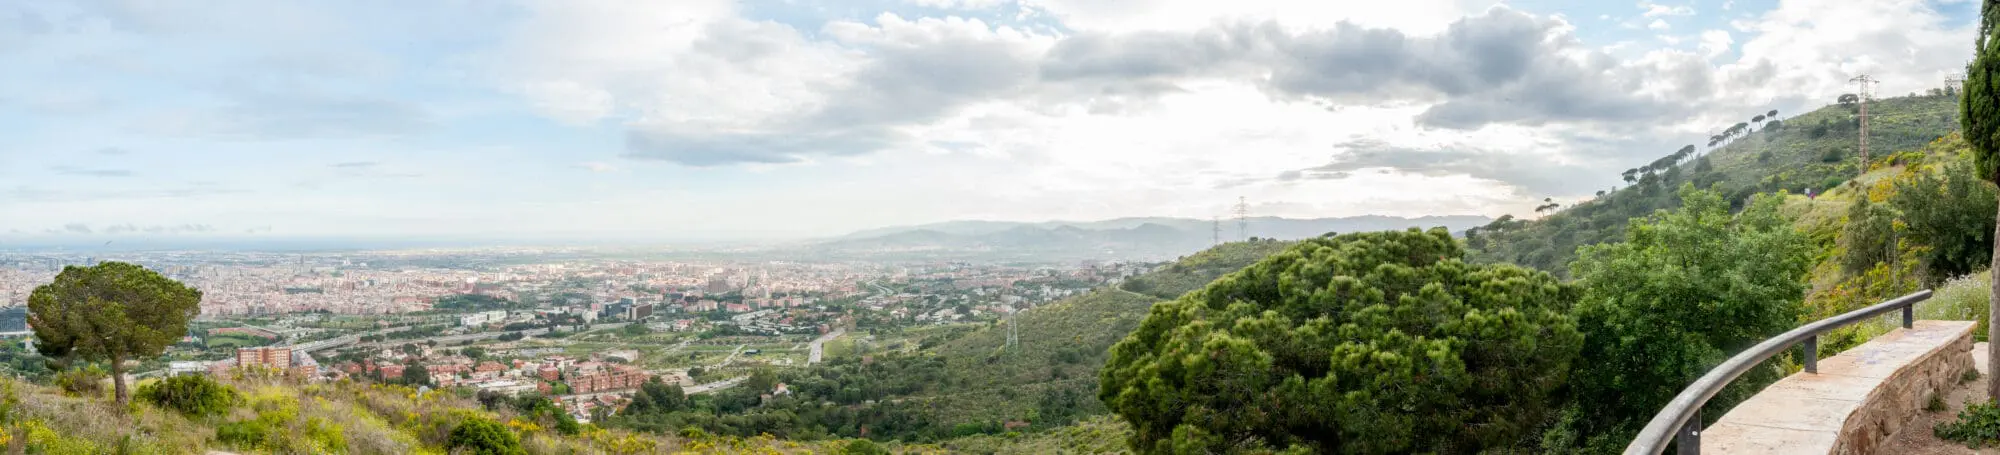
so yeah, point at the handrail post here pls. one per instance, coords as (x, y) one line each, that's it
(1812, 354)
(1689, 439)
(1909, 315)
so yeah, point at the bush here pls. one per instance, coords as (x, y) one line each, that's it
(1380, 342)
(86, 381)
(482, 436)
(1977, 425)
(862, 447)
(191, 395)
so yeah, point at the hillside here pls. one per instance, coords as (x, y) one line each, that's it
(1124, 238)
(1816, 150)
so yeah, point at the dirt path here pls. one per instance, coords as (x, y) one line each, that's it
(1916, 437)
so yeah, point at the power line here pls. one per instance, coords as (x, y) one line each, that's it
(1865, 81)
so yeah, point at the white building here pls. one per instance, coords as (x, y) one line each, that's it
(482, 318)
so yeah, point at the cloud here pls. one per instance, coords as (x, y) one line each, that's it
(1658, 24)
(76, 228)
(597, 166)
(1715, 43)
(76, 171)
(1503, 66)
(356, 165)
(113, 151)
(1534, 173)
(1658, 10)
(959, 4)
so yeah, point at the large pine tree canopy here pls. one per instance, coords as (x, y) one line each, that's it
(1380, 342)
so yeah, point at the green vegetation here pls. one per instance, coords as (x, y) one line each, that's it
(1761, 161)
(477, 302)
(481, 436)
(191, 395)
(1978, 425)
(1360, 343)
(1685, 290)
(111, 312)
(1197, 270)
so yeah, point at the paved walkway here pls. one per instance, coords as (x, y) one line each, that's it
(1857, 401)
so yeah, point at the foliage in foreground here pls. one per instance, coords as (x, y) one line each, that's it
(190, 395)
(1977, 425)
(1684, 290)
(1382, 342)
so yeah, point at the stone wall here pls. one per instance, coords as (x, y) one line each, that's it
(1904, 394)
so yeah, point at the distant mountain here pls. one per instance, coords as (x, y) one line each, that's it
(1150, 238)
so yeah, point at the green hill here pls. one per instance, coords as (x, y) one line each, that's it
(1052, 377)
(1815, 150)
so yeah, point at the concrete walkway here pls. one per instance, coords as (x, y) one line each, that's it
(1858, 400)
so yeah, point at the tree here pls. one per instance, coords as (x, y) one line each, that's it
(1682, 291)
(416, 374)
(113, 312)
(483, 436)
(475, 352)
(1979, 118)
(1951, 213)
(1771, 115)
(1848, 99)
(1868, 237)
(1379, 342)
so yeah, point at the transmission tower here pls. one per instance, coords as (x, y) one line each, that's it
(1865, 81)
(1217, 221)
(1013, 331)
(1243, 218)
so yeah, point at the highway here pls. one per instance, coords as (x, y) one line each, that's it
(819, 346)
(450, 339)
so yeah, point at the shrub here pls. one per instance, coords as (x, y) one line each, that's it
(483, 436)
(1977, 425)
(862, 447)
(86, 381)
(1456, 356)
(191, 395)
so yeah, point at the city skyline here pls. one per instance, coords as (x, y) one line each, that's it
(725, 120)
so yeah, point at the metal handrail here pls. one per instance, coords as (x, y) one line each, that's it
(1681, 419)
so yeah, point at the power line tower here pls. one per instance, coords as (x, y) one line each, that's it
(1865, 81)
(1217, 221)
(1243, 218)
(1013, 331)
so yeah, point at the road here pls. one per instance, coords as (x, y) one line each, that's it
(449, 339)
(714, 386)
(819, 346)
(731, 358)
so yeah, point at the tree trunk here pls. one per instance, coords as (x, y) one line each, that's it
(125, 398)
(1993, 326)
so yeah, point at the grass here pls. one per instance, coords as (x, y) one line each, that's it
(339, 417)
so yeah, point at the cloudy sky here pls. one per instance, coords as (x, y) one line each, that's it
(681, 119)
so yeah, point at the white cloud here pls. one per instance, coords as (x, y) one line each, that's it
(1715, 43)
(1658, 10)
(959, 4)
(1658, 24)
(597, 166)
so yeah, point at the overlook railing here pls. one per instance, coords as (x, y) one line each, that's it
(1680, 421)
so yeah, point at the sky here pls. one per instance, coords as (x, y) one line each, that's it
(766, 119)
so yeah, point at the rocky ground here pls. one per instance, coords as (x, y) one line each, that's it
(1916, 437)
